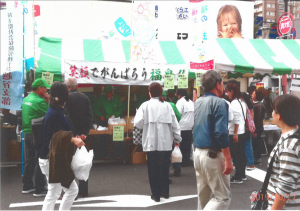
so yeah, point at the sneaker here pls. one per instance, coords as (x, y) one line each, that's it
(40, 193)
(30, 190)
(235, 180)
(244, 178)
(249, 168)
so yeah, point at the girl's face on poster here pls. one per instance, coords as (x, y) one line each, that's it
(229, 21)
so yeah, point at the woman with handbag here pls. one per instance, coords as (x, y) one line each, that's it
(160, 129)
(236, 130)
(284, 183)
(58, 136)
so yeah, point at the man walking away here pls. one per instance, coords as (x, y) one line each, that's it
(79, 111)
(212, 159)
(34, 106)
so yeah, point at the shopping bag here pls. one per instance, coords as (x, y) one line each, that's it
(137, 136)
(138, 156)
(82, 163)
(176, 156)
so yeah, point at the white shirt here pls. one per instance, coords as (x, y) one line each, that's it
(159, 124)
(186, 109)
(238, 117)
(230, 113)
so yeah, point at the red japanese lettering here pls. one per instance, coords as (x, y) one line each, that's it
(73, 71)
(84, 72)
(6, 100)
(7, 76)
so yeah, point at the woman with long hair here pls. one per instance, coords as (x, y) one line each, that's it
(57, 132)
(185, 107)
(160, 129)
(284, 184)
(237, 131)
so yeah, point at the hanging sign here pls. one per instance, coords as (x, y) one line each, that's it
(169, 82)
(182, 81)
(48, 77)
(198, 79)
(118, 133)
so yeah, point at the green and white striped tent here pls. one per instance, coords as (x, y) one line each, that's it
(257, 56)
(54, 51)
(235, 56)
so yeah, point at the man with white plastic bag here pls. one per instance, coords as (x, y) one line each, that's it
(79, 113)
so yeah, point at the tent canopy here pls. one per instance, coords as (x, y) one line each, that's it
(257, 56)
(236, 56)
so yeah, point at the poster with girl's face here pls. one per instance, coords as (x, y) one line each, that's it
(218, 19)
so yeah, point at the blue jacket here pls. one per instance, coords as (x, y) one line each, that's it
(54, 121)
(211, 122)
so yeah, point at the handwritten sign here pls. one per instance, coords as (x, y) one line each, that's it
(182, 81)
(198, 77)
(169, 82)
(48, 77)
(118, 133)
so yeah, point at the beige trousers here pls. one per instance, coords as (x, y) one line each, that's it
(211, 180)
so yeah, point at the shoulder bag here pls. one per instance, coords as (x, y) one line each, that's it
(249, 123)
(259, 199)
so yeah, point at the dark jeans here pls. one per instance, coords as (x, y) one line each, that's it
(185, 146)
(237, 151)
(158, 172)
(32, 167)
(256, 146)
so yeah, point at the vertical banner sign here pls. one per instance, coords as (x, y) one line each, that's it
(11, 58)
(169, 82)
(118, 133)
(48, 77)
(182, 81)
(198, 79)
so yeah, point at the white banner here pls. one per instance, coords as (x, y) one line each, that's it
(120, 73)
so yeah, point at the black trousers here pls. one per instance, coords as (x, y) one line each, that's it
(185, 146)
(158, 172)
(32, 167)
(237, 151)
(256, 146)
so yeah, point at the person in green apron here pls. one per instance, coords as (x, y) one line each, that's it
(171, 96)
(111, 106)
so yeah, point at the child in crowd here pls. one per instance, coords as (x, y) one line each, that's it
(229, 22)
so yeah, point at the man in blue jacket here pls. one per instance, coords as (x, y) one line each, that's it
(212, 159)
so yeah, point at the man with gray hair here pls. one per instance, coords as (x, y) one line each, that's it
(79, 113)
(212, 159)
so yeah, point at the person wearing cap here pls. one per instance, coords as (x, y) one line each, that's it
(34, 106)
(171, 96)
(95, 98)
(111, 104)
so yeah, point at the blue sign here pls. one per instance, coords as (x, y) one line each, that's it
(273, 32)
(293, 32)
(122, 27)
(259, 21)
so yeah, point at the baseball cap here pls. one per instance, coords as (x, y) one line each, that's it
(164, 94)
(107, 88)
(40, 83)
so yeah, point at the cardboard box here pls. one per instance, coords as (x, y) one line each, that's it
(128, 121)
(138, 157)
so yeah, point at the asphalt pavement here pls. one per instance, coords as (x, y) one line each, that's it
(119, 186)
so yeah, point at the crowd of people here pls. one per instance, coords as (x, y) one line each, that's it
(212, 130)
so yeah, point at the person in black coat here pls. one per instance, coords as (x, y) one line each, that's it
(79, 113)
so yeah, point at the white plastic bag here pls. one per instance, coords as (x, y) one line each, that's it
(82, 163)
(176, 156)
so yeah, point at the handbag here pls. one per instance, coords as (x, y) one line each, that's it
(137, 136)
(249, 123)
(259, 199)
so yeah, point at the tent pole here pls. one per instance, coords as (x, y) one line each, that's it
(127, 123)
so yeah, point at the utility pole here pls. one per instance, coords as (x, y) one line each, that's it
(284, 77)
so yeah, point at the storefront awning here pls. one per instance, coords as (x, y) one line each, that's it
(257, 56)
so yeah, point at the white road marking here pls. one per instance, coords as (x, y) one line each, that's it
(257, 174)
(117, 201)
